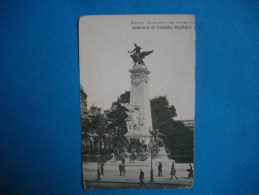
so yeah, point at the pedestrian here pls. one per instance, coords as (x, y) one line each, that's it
(190, 175)
(120, 168)
(160, 169)
(123, 169)
(173, 171)
(102, 168)
(141, 178)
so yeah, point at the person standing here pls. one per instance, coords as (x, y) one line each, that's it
(102, 168)
(190, 175)
(141, 178)
(123, 169)
(173, 171)
(120, 168)
(160, 169)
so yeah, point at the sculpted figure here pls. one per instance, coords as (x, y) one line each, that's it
(131, 121)
(135, 120)
(138, 56)
(129, 125)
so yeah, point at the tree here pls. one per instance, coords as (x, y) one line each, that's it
(178, 139)
(116, 127)
(95, 125)
(162, 114)
(85, 123)
(182, 142)
(124, 98)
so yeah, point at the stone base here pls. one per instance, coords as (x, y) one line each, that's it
(129, 162)
(165, 162)
(160, 157)
(141, 136)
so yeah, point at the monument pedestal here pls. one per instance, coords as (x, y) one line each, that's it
(138, 136)
(139, 97)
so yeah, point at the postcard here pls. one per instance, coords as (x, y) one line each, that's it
(137, 97)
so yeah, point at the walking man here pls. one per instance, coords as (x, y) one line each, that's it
(102, 168)
(190, 175)
(141, 178)
(173, 171)
(160, 169)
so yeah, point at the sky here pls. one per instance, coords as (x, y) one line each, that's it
(104, 42)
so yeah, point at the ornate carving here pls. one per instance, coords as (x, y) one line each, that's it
(135, 120)
(137, 78)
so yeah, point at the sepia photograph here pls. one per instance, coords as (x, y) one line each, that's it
(137, 101)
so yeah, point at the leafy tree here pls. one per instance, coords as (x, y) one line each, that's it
(178, 139)
(182, 141)
(162, 114)
(86, 130)
(96, 125)
(124, 98)
(116, 127)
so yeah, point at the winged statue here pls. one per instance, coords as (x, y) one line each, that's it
(138, 56)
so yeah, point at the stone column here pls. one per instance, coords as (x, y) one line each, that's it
(139, 95)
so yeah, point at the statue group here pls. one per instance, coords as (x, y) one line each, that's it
(135, 120)
(138, 56)
(135, 123)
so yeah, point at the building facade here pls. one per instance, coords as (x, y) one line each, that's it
(188, 123)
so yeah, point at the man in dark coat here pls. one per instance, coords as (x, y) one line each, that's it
(160, 169)
(141, 177)
(173, 171)
(102, 168)
(120, 168)
(123, 167)
(190, 175)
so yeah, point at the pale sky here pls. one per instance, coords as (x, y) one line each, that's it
(104, 62)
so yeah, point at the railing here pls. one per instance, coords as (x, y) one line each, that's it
(104, 158)
(94, 158)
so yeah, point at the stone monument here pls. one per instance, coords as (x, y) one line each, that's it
(139, 120)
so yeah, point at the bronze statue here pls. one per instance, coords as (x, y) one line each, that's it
(138, 56)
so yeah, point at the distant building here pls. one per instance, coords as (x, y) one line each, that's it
(94, 110)
(188, 123)
(83, 102)
(90, 139)
(93, 139)
(105, 113)
(83, 117)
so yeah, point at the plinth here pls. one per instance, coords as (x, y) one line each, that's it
(139, 96)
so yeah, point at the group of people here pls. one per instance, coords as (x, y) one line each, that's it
(172, 173)
(122, 169)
